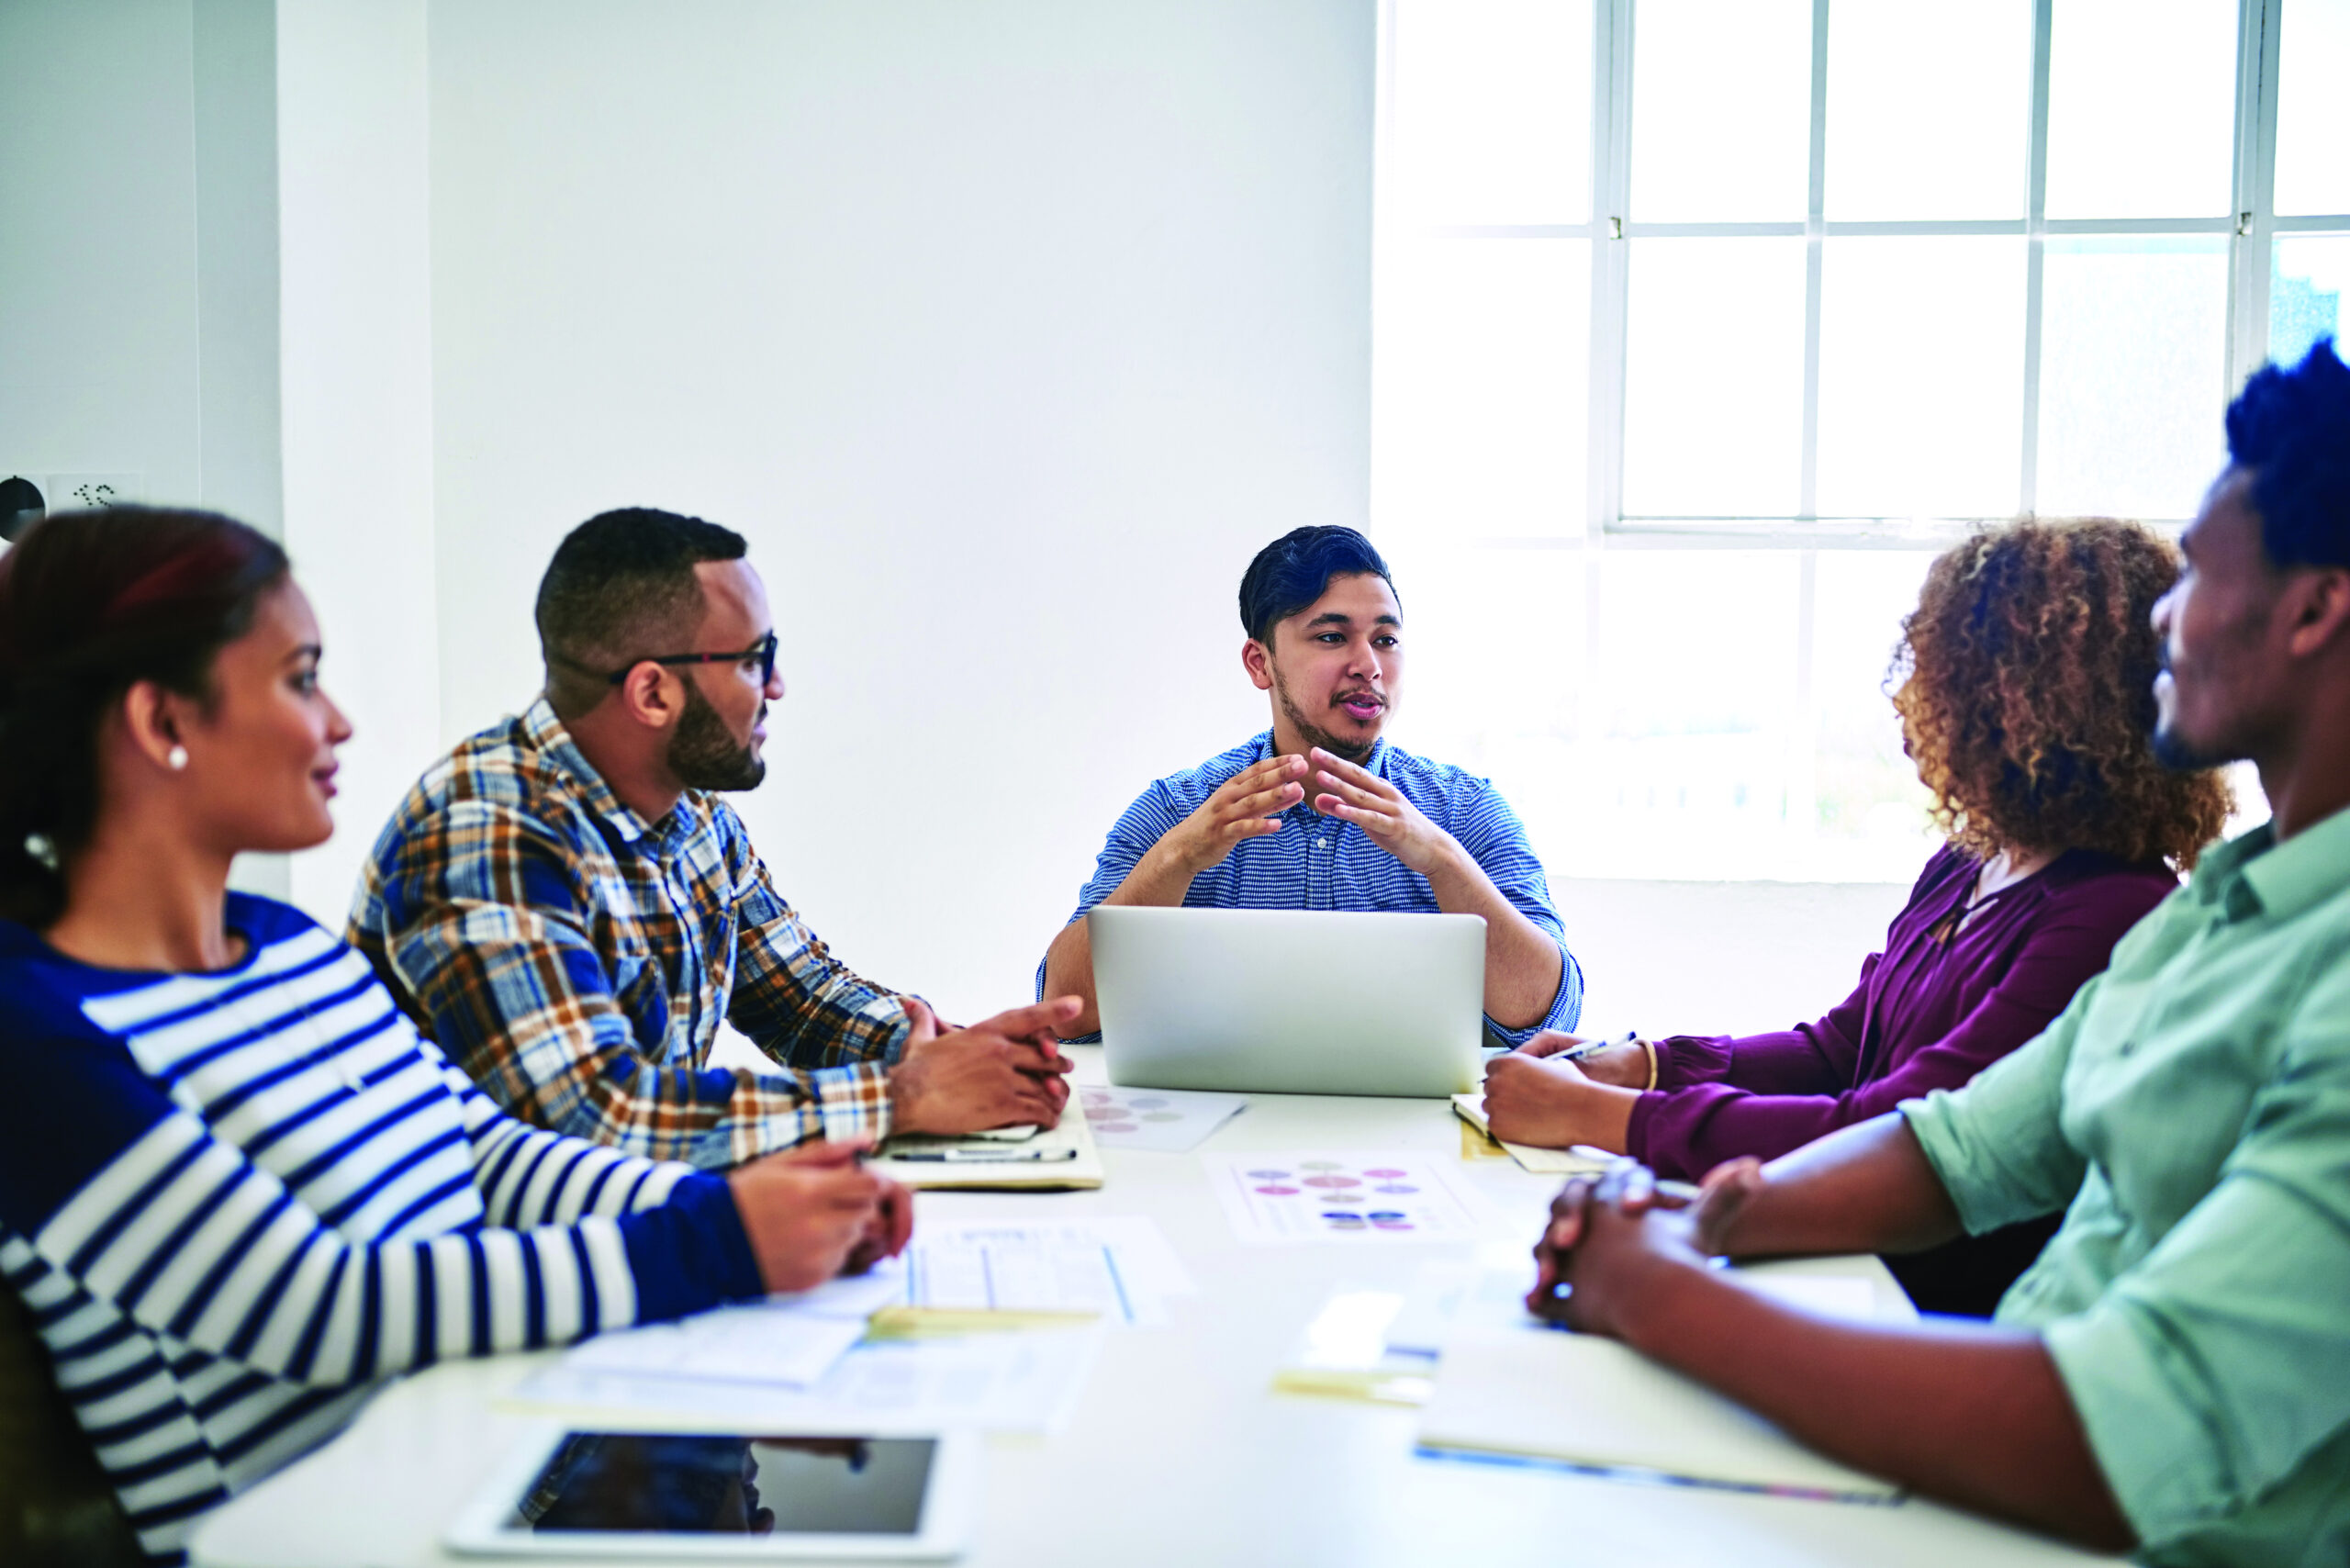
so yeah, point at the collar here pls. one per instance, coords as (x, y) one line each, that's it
(2254, 874)
(554, 744)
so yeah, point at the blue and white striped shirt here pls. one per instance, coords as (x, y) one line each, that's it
(1318, 862)
(233, 1202)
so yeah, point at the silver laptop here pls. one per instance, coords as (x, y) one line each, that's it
(1291, 1001)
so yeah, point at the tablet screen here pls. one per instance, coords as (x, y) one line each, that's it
(725, 1485)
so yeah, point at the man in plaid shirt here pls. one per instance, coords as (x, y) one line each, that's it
(569, 909)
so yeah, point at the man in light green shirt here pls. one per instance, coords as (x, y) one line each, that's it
(2173, 1375)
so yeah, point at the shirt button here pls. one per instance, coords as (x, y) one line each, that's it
(1321, 843)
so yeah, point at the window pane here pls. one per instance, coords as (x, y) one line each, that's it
(2313, 108)
(1492, 110)
(1685, 772)
(2142, 108)
(1920, 376)
(1870, 810)
(1483, 375)
(2305, 296)
(2132, 364)
(1497, 642)
(1929, 108)
(1721, 111)
(1713, 388)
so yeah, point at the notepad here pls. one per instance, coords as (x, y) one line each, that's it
(1061, 1159)
(1581, 1400)
(1470, 1108)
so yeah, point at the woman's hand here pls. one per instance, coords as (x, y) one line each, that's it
(1623, 1067)
(1552, 1104)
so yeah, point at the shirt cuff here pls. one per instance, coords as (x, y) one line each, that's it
(1566, 1006)
(852, 1102)
(2157, 1456)
(691, 1252)
(1944, 1146)
(1685, 1059)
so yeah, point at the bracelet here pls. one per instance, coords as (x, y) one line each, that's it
(1650, 1050)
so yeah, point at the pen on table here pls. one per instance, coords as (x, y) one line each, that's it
(986, 1156)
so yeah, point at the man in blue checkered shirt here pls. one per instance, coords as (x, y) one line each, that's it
(1321, 812)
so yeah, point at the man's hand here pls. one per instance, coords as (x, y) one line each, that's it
(887, 1233)
(1242, 807)
(1625, 1066)
(1361, 797)
(1610, 1239)
(1551, 1104)
(806, 1210)
(1005, 1072)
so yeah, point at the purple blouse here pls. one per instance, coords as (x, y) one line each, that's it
(1930, 1014)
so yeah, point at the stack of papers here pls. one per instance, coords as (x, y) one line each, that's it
(1008, 1383)
(914, 1345)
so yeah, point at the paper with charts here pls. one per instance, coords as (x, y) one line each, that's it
(1172, 1121)
(1354, 1198)
(1117, 1267)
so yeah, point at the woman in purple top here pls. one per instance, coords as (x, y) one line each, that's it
(2027, 703)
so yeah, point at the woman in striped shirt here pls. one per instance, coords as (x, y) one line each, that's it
(237, 1191)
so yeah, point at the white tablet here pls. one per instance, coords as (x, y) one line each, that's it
(737, 1499)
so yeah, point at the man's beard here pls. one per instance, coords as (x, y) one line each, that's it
(2172, 750)
(1314, 734)
(704, 754)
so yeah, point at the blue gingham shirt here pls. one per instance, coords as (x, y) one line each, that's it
(1318, 862)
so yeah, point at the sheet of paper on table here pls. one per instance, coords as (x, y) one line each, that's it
(1119, 1267)
(1384, 1346)
(1579, 1400)
(791, 1340)
(1172, 1121)
(1008, 1383)
(1470, 1108)
(1506, 1384)
(1344, 1197)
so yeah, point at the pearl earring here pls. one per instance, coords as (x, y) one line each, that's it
(177, 758)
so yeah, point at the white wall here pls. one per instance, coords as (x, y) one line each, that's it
(99, 344)
(1720, 958)
(357, 368)
(1007, 333)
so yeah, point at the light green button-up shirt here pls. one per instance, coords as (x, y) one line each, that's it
(2192, 1106)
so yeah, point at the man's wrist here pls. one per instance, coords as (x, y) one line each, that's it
(1654, 1293)
(1451, 870)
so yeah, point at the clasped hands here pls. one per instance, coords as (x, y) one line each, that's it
(1616, 1241)
(1003, 1072)
(1248, 805)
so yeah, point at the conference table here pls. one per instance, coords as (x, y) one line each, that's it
(1179, 1450)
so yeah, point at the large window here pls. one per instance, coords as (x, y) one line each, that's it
(1701, 325)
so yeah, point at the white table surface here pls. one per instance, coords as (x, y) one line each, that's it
(1178, 1452)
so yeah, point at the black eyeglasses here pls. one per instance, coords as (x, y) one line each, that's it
(763, 650)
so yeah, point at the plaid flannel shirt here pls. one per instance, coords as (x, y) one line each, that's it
(575, 959)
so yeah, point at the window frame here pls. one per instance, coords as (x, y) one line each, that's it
(2252, 227)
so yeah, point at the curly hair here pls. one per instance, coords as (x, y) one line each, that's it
(2027, 695)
